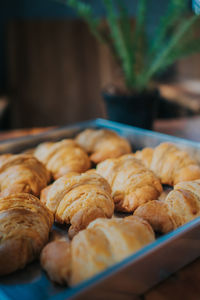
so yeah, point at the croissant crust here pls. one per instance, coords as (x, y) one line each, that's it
(103, 243)
(131, 182)
(24, 230)
(63, 157)
(22, 173)
(180, 206)
(103, 144)
(77, 199)
(170, 164)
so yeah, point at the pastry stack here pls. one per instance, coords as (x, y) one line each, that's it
(80, 183)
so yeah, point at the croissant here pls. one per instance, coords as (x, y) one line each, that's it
(24, 230)
(22, 173)
(103, 144)
(102, 244)
(170, 163)
(131, 182)
(63, 157)
(180, 206)
(77, 199)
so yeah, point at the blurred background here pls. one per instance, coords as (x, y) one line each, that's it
(52, 70)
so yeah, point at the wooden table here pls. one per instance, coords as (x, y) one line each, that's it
(188, 128)
(184, 284)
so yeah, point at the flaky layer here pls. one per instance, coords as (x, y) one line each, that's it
(131, 182)
(22, 173)
(103, 144)
(170, 164)
(63, 157)
(102, 244)
(180, 206)
(78, 199)
(24, 227)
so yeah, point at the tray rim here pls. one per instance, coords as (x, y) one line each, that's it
(103, 123)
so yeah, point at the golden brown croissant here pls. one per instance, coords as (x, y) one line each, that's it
(22, 173)
(131, 182)
(24, 230)
(63, 157)
(77, 199)
(170, 163)
(102, 244)
(103, 144)
(180, 206)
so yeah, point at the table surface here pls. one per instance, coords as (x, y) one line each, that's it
(184, 284)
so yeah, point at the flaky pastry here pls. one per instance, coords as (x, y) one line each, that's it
(170, 164)
(102, 244)
(22, 173)
(102, 144)
(63, 157)
(24, 230)
(180, 206)
(77, 199)
(131, 182)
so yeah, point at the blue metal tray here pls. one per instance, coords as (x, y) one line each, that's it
(135, 274)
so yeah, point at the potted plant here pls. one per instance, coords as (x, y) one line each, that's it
(139, 57)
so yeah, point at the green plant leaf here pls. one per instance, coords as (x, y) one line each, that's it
(84, 10)
(165, 53)
(176, 9)
(119, 41)
(125, 25)
(140, 37)
(188, 49)
(139, 60)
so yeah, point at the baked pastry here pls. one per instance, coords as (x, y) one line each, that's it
(24, 230)
(170, 163)
(63, 157)
(131, 182)
(102, 244)
(180, 206)
(102, 144)
(22, 173)
(78, 199)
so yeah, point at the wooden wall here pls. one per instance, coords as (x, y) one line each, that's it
(56, 71)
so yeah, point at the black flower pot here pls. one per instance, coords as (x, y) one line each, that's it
(137, 110)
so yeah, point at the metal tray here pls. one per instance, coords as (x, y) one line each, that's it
(135, 274)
